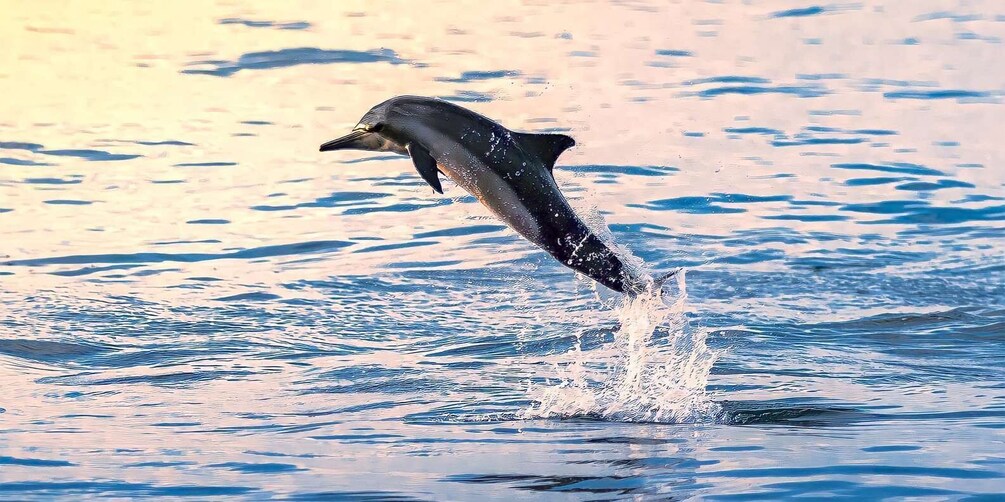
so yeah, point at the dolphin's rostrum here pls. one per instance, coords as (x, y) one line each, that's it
(509, 172)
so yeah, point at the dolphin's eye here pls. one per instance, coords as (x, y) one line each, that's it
(376, 127)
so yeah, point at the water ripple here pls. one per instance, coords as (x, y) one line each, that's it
(312, 247)
(284, 58)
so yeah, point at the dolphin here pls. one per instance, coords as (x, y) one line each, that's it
(509, 172)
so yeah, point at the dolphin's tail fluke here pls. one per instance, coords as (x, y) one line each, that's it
(659, 281)
(651, 286)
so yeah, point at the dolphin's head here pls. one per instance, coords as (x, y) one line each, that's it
(375, 132)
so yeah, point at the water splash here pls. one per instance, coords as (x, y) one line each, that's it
(655, 370)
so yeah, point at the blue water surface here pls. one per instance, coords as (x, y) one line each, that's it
(196, 303)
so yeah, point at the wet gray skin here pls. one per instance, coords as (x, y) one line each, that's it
(509, 172)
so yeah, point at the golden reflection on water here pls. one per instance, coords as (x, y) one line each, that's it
(99, 75)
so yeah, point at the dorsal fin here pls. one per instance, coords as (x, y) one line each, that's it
(546, 147)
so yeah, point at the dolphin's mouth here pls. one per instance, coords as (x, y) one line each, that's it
(354, 140)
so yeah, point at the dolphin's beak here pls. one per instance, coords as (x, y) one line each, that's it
(356, 140)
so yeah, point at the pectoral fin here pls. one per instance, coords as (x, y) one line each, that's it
(426, 165)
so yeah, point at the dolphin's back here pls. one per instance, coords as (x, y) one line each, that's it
(493, 143)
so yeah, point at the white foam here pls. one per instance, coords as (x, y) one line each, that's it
(655, 370)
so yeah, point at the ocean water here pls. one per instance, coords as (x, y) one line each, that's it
(195, 302)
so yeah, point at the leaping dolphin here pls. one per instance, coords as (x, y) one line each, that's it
(509, 172)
